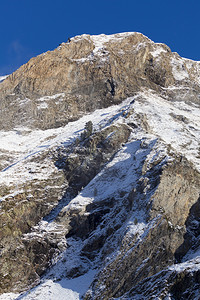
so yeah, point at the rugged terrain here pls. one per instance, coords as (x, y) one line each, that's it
(99, 181)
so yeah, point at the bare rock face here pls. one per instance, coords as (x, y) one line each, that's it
(89, 73)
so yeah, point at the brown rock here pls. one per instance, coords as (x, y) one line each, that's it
(81, 79)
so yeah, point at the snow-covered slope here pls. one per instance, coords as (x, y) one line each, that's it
(167, 126)
(114, 212)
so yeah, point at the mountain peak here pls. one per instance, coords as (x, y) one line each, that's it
(99, 180)
(91, 72)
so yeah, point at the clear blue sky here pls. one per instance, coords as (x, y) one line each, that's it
(30, 27)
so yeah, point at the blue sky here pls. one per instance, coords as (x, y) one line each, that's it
(30, 27)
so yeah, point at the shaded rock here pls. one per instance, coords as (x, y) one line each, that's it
(138, 257)
(20, 211)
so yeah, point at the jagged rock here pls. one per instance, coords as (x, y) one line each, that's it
(175, 284)
(88, 159)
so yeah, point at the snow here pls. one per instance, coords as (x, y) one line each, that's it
(118, 175)
(45, 98)
(2, 78)
(43, 227)
(9, 296)
(100, 40)
(190, 265)
(71, 289)
(99, 43)
(24, 101)
(27, 141)
(133, 228)
(42, 106)
(22, 144)
(178, 69)
(166, 120)
(158, 51)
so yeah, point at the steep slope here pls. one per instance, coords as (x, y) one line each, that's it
(105, 206)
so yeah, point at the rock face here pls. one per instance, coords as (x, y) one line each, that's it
(19, 212)
(100, 170)
(90, 73)
(139, 258)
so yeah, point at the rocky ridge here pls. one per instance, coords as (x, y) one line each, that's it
(90, 73)
(119, 197)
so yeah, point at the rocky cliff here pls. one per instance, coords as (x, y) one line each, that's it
(99, 181)
(90, 73)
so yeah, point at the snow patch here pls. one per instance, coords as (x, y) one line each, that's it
(176, 123)
(190, 265)
(46, 98)
(157, 51)
(178, 69)
(2, 78)
(100, 40)
(9, 296)
(72, 289)
(43, 105)
(23, 102)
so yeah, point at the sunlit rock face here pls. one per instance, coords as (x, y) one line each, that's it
(92, 72)
(100, 162)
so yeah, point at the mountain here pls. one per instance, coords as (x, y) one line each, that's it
(99, 181)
